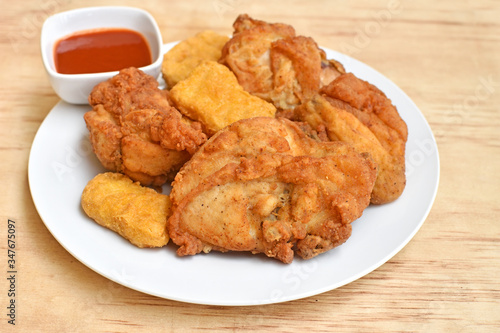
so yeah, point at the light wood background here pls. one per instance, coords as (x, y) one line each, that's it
(444, 54)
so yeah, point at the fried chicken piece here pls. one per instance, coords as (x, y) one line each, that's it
(134, 130)
(180, 61)
(371, 101)
(330, 70)
(138, 214)
(247, 53)
(296, 66)
(262, 185)
(271, 62)
(358, 113)
(212, 96)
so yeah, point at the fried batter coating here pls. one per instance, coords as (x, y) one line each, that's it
(134, 130)
(371, 101)
(247, 53)
(296, 67)
(212, 96)
(179, 61)
(356, 112)
(271, 62)
(138, 214)
(262, 185)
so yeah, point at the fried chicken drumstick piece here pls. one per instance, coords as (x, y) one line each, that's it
(261, 185)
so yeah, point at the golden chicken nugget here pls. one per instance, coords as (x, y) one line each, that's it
(185, 56)
(212, 96)
(138, 214)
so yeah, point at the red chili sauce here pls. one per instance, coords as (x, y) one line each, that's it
(97, 51)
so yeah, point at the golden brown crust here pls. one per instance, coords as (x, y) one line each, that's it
(139, 214)
(105, 136)
(180, 61)
(247, 53)
(367, 98)
(296, 67)
(133, 128)
(261, 185)
(330, 70)
(358, 113)
(211, 95)
(271, 62)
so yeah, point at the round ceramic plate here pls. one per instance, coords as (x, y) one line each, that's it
(62, 162)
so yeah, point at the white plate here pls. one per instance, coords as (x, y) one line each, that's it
(62, 162)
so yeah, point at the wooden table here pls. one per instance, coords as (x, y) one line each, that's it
(444, 55)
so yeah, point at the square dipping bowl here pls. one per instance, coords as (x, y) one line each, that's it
(75, 88)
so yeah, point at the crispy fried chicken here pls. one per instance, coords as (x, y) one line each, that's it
(135, 130)
(261, 185)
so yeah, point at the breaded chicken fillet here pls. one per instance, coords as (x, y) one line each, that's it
(261, 185)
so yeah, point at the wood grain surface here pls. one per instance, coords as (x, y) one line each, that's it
(444, 54)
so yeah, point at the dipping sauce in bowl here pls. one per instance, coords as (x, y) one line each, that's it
(103, 50)
(75, 88)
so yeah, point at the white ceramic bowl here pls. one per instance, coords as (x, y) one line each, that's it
(75, 88)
